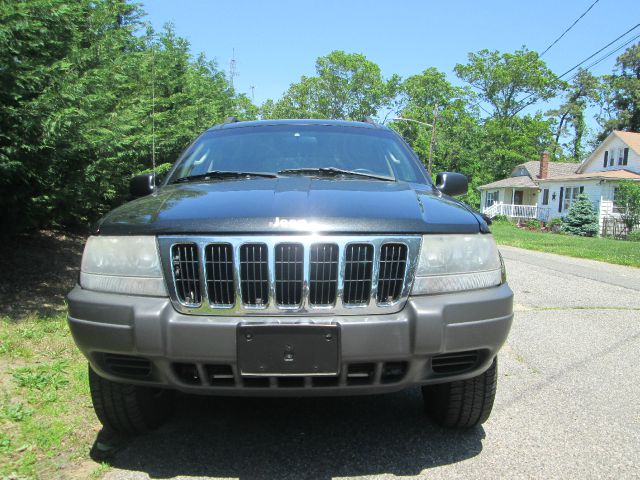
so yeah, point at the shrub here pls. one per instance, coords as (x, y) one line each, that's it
(533, 224)
(555, 224)
(634, 236)
(582, 219)
(629, 196)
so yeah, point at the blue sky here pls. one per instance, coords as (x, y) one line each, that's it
(277, 41)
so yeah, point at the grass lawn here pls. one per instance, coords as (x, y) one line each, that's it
(596, 248)
(47, 424)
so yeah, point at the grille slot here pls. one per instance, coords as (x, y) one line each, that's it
(289, 258)
(393, 371)
(127, 365)
(357, 274)
(187, 373)
(186, 269)
(220, 375)
(254, 274)
(290, 382)
(393, 262)
(360, 373)
(323, 260)
(255, 382)
(219, 274)
(454, 362)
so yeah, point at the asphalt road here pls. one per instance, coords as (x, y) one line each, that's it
(568, 403)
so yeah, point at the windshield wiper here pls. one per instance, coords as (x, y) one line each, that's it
(335, 172)
(223, 174)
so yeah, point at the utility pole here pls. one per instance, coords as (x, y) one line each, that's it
(433, 137)
(253, 91)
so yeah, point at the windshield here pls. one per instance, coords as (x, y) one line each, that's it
(284, 148)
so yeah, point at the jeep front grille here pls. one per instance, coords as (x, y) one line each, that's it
(289, 274)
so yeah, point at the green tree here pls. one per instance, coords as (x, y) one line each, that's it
(579, 94)
(346, 86)
(77, 81)
(458, 126)
(509, 82)
(506, 143)
(582, 218)
(621, 94)
(35, 39)
(628, 196)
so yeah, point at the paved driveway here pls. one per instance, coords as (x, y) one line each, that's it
(568, 403)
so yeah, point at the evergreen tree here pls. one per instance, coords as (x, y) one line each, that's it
(582, 218)
(76, 84)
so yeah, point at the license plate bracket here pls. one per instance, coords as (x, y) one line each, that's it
(288, 350)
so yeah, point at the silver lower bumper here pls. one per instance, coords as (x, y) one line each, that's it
(427, 327)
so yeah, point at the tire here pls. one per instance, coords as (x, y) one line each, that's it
(463, 403)
(128, 409)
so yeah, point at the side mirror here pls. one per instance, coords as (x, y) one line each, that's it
(452, 184)
(142, 185)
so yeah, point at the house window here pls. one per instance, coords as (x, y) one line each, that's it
(570, 195)
(545, 196)
(491, 198)
(617, 208)
(612, 157)
(620, 156)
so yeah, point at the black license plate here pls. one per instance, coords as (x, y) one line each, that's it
(276, 350)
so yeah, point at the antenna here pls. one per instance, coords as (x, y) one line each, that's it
(153, 113)
(232, 67)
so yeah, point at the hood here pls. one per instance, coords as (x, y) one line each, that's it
(292, 204)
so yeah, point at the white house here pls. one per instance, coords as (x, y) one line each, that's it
(545, 190)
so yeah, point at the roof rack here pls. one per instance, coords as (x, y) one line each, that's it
(231, 120)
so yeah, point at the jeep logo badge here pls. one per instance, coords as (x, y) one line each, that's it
(288, 222)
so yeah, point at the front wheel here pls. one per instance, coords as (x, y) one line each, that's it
(463, 403)
(128, 409)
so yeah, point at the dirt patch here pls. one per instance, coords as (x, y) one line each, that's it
(38, 270)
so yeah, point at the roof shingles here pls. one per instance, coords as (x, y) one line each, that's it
(609, 174)
(630, 138)
(556, 169)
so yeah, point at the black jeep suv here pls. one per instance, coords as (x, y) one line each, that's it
(292, 257)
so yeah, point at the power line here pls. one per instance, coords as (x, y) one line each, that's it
(570, 27)
(596, 53)
(607, 55)
(589, 58)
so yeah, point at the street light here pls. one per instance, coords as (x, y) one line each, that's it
(433, 133)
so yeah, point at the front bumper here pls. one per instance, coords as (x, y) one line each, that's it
(405, 342)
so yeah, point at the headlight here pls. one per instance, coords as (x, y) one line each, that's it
(129, 265)
(452, 263)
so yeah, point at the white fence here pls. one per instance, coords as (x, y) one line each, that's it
(516, 211)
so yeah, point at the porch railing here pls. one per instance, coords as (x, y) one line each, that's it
(516, 211)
